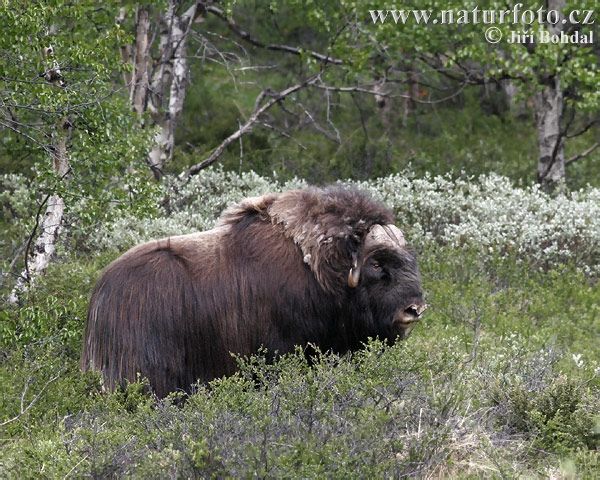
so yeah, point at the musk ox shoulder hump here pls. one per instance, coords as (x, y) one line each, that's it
(332, 210)
(247, 208)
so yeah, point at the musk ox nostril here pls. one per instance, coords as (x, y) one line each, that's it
(415, 310)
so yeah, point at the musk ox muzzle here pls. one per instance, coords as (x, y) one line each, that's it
(327, 267)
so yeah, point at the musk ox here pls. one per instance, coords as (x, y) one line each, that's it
(315, 266)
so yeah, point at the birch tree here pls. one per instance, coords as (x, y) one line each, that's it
(60, 108)
(158, 85)
(49, 226)
(549, 109)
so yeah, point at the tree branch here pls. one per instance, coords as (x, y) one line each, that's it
(270, 46)
(247, 126)
(370, 91)
(26, 136)
(24, 409)
(283, 134)
(585, 153)
(13, 262)
(584, 129)
(559, 142)
(27, 276)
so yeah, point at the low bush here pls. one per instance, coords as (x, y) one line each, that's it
(414, 409)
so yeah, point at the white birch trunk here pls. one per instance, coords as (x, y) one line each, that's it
(126, 50)
(50, 226)
(549, 103)
(412, 93)
(548, 113)
(384, 103)
(171, 75)
(140, 79)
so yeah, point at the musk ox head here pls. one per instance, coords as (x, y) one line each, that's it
(386, 277)
(325, 267)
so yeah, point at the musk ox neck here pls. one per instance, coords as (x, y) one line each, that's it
(327, 225)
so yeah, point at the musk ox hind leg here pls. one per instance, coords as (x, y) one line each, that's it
(143, 319)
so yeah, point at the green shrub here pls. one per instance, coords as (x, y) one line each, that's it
(559, 416)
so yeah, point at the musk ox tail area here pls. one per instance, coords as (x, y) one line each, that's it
(142, 319)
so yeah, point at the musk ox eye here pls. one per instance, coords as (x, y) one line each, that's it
(377, 271)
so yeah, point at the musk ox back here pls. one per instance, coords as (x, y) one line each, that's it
(321, 266)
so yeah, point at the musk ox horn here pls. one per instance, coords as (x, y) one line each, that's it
(354, 273)
(383, 235)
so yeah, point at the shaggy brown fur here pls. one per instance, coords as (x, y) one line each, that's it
(273, 273)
